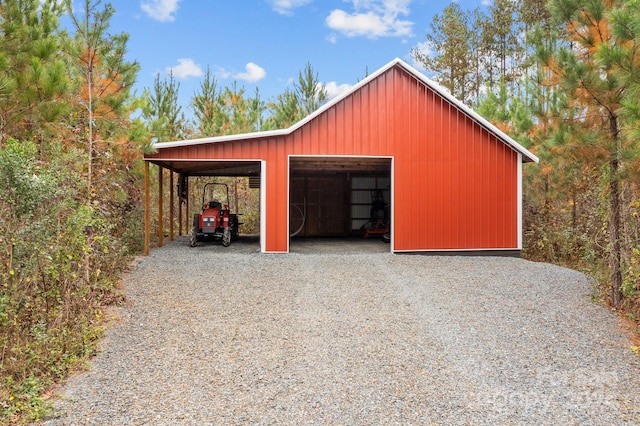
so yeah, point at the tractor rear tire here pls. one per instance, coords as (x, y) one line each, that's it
(234, 225)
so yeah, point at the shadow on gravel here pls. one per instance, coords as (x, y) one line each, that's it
(251, 244)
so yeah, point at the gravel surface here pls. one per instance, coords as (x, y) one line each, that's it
(224, 336)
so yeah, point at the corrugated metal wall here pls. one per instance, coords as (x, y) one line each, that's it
(455, 186)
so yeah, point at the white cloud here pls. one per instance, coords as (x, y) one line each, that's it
(252, 74)
(333, 89)
(221, 73)
(186, 68)
(373, 19)
(356, 24)
(160, 10)
(285, 7)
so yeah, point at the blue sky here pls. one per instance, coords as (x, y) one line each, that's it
(265, 43)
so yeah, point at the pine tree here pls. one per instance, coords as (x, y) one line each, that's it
(501, 34)
(622, 56)
(32, 73)
(597, 93)
(162, 111)
(104, 81)
(451, 55)
(310, 92)
(478, 56)
(206, 106)
(285, 111)
(308, 95)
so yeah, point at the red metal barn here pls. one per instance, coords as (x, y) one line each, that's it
(451, 179)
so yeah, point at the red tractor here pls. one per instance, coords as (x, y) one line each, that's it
(215, 222)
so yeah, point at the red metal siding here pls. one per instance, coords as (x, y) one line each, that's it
(455, 184)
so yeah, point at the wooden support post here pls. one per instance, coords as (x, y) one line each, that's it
(160, 217)
(171, 206)
(187, 222)
(146, 208)
(180, 206)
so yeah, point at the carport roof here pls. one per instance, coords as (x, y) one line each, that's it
(249, 168)
(210, 168)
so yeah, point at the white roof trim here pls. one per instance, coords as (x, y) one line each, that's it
(417, 74)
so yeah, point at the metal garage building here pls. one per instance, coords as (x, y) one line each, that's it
(453, 180)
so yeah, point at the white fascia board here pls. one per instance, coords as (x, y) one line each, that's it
(263, 206)
(216, 139)
(519, 201)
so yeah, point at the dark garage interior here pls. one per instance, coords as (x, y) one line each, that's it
(333, 196)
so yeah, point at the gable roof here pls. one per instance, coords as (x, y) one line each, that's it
(527, 155)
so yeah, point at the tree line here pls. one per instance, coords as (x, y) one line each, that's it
(561, 77)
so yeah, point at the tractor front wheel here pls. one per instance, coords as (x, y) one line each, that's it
(194, 237)
(226, 237)
(195, 227)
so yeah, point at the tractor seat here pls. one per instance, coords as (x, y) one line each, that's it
(215, 205)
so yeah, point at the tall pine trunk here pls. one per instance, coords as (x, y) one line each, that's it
(615, 222)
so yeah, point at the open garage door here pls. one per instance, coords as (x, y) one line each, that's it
(334, 196)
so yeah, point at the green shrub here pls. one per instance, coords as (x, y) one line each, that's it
(59, 263)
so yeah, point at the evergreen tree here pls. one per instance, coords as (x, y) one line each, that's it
(596, 95)
(207, 107)
(226, 111)
(451, 58)
(33, 76)
(309, 91)
(534, 13)
(162, 111)
(308, 95)
(501, 37)
(242, 115)
(478, 57)
(255, 112)
(104, 82)
(510, 114)
(285, 111)
(623, 58)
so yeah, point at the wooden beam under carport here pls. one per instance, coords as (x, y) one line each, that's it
(146, 208)
(171, 206)
(160, 215)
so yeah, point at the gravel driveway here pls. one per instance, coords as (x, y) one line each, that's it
(215, 336)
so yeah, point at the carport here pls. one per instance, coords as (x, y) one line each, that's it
(452, 181)
(179, 171)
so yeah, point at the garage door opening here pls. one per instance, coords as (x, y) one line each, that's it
(339, 200)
